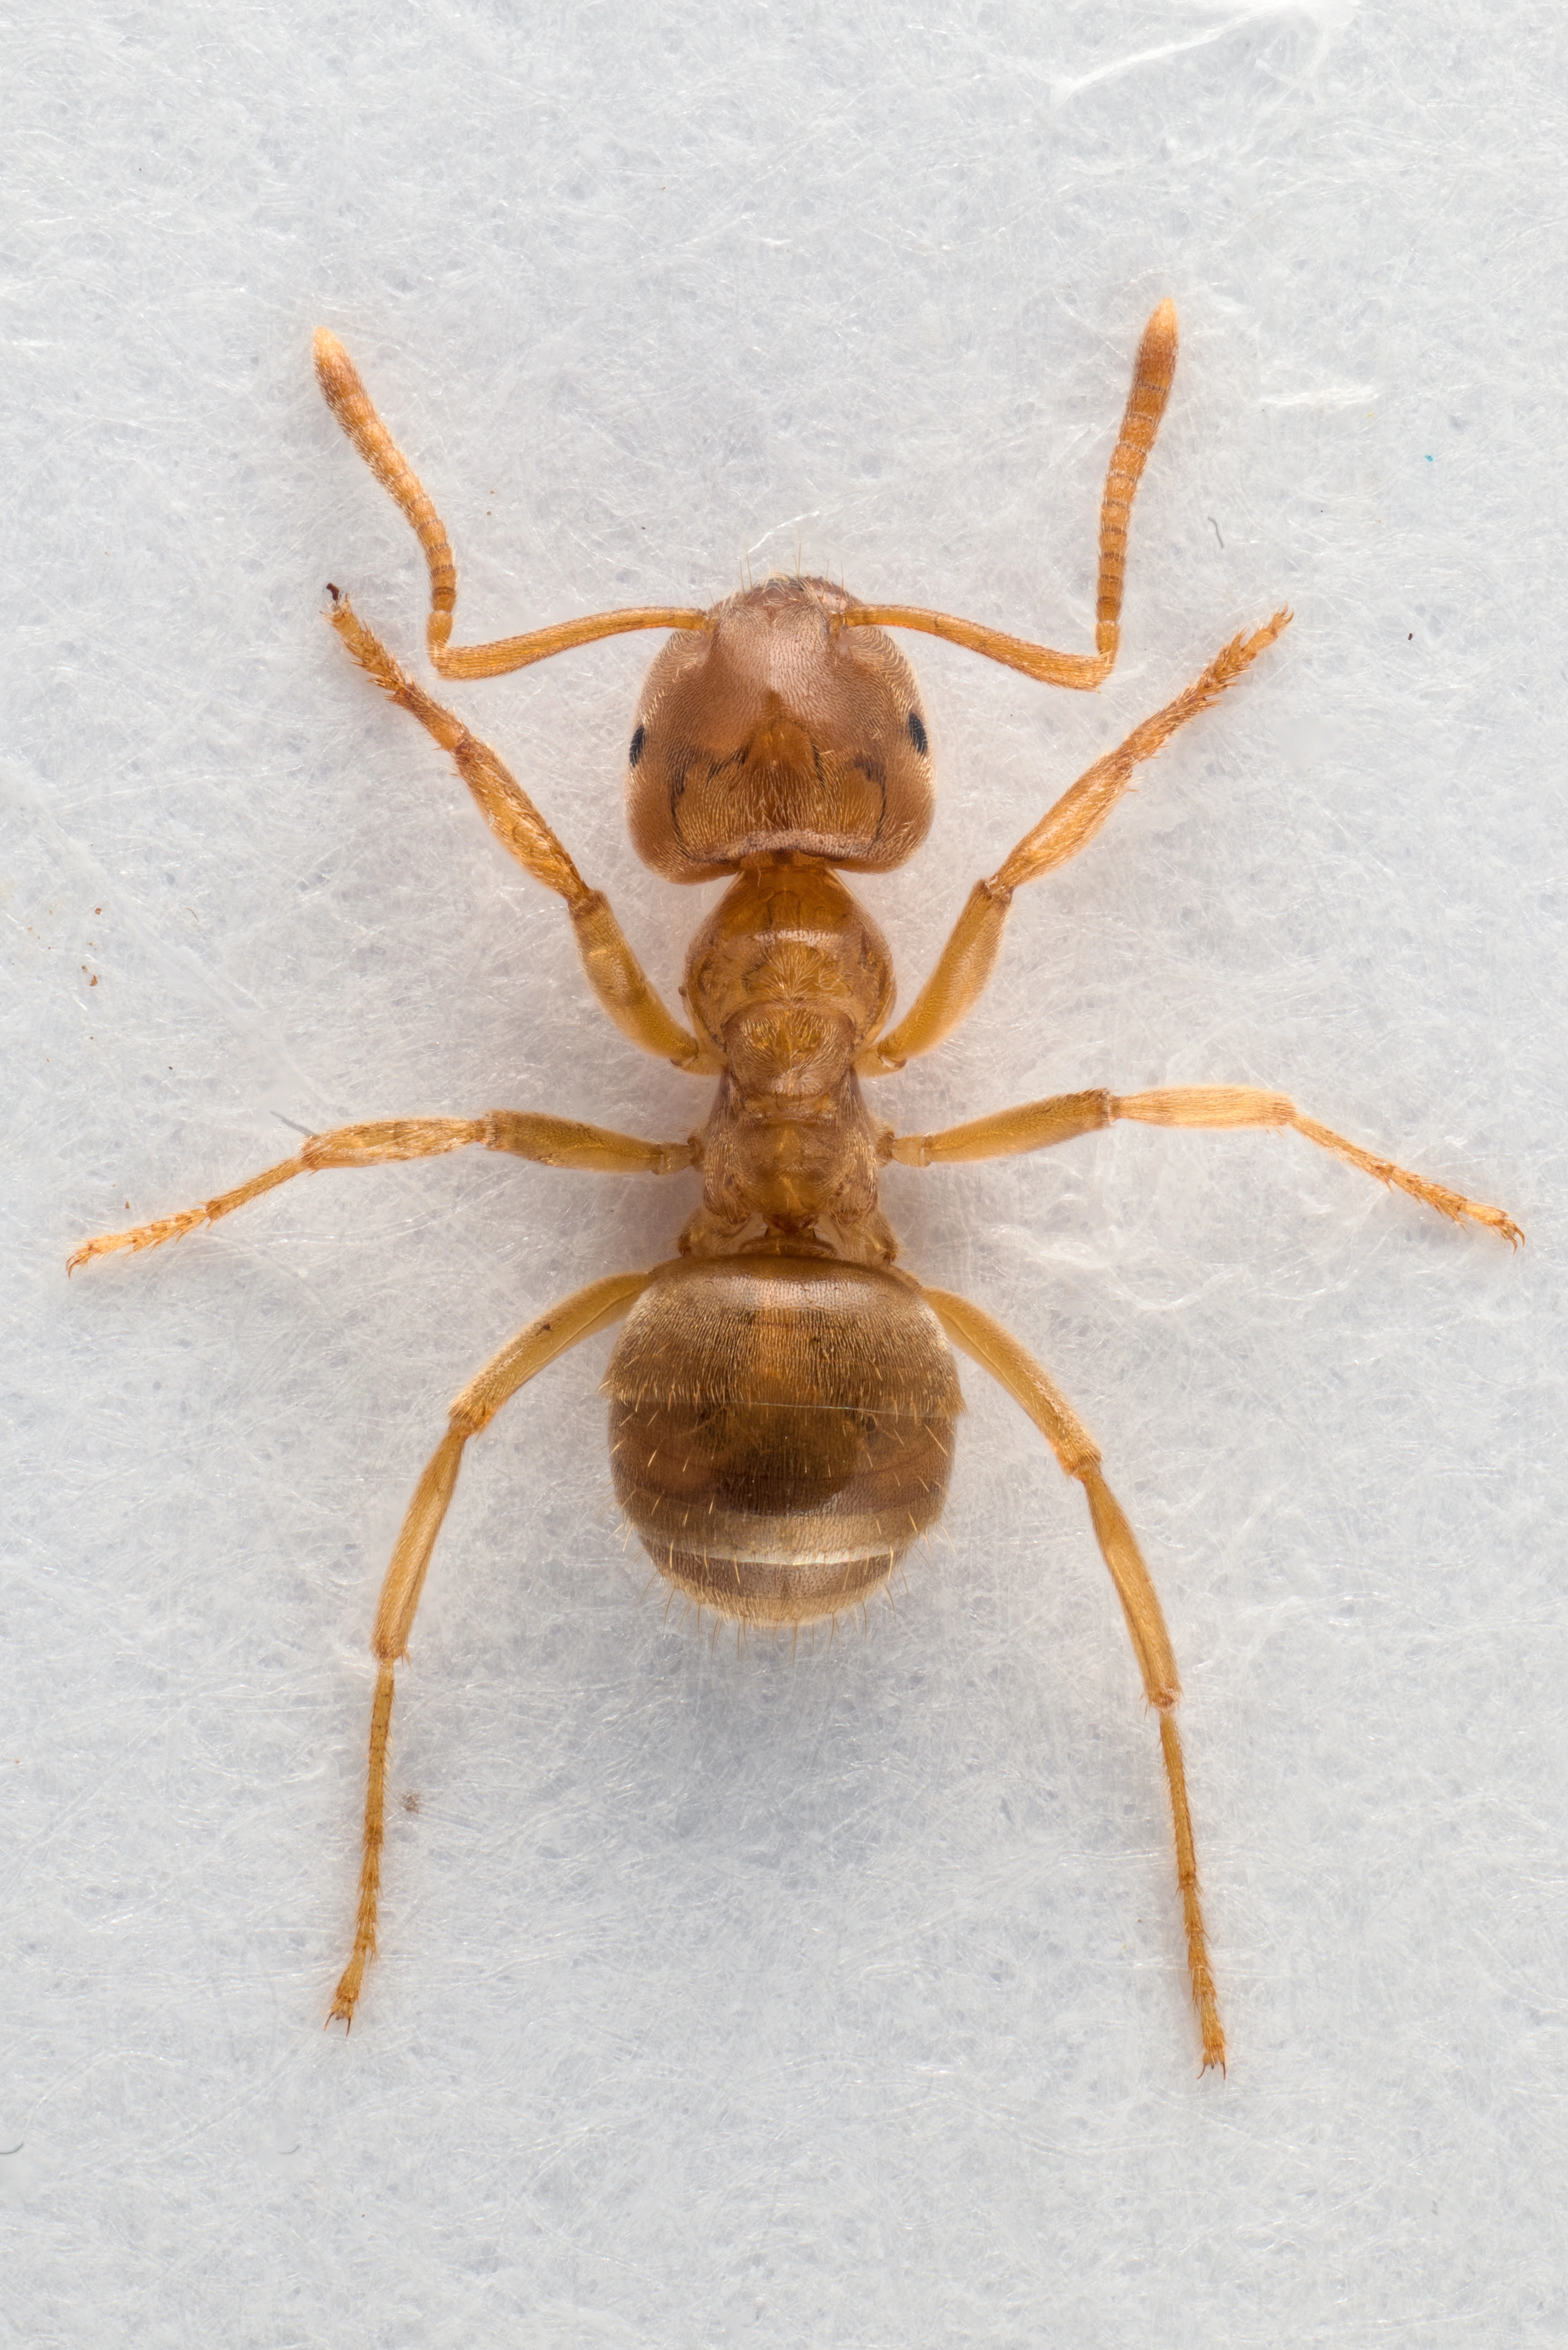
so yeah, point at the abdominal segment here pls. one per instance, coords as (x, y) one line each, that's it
(781, 1431)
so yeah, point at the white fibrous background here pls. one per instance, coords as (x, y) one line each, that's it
(832, 1996)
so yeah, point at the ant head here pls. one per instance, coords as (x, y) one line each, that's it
(772, 729)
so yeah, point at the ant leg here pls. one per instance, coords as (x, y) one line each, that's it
(1006, 1133)
(985, 1340)
(965, 963)
(547, 1141)
(1153, 372)
(350, 403)
(575, 1318)
(613, 971)
(1036, 1126)
(1230, 1105)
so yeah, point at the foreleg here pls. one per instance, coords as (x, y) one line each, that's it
(965, 963)
(613, 971)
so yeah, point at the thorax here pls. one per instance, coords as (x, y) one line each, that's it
(785, 981)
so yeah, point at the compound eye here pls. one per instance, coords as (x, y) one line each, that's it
(637, 740)
(917, 726)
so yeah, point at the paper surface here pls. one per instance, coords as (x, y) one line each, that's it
(834, 1997)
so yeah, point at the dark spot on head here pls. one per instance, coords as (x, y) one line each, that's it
(637, 740)
(917, 726)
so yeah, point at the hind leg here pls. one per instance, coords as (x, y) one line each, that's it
(564, 1326)
(985, 1340)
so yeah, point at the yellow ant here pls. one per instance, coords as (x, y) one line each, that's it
(783, 1398)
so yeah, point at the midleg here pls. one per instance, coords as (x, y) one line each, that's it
(547, 1141)
(1153, 372)
(350, 403)
(1036, 1126)
(965, 963)
(985, 1340)
(613, 971)
(575, 1318)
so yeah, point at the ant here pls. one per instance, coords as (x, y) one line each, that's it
(782, 1397)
